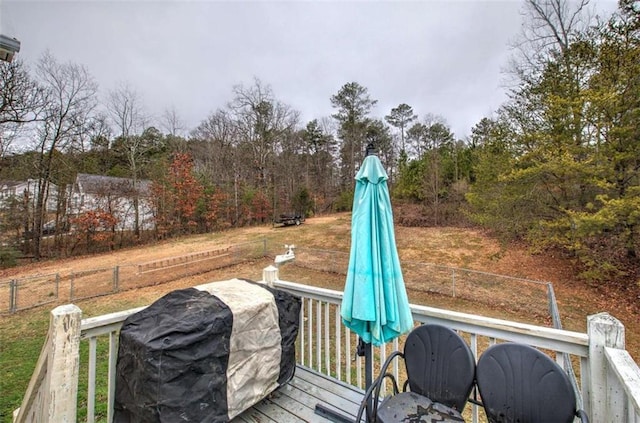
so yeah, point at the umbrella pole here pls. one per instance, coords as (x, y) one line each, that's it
(368, 376)
(365, 349)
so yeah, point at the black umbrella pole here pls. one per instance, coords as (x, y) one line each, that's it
(364, 350)
(368, 378)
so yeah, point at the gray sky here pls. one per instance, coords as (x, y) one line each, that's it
(440, 57)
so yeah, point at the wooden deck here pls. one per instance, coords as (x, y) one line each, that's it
(296, 401)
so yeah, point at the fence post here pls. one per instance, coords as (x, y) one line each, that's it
(453, 281)
(116, 278)
(604, 330)
(57, 285)
(264, 247)
(13, 296)
(71, 286)
(553, 308)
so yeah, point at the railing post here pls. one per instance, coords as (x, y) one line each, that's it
(52, 394)
(604, 330)
(270, 275)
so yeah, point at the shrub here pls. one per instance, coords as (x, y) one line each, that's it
(8, 257)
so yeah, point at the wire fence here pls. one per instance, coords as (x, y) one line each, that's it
(25, 293)
(522, 295)
(535, 298)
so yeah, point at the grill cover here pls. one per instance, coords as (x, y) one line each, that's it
(205, 354)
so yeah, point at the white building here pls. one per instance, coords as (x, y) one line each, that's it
(113, 195)
(26, 191)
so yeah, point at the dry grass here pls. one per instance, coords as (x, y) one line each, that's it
(456, 247)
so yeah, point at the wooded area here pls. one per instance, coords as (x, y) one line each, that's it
(556, 166)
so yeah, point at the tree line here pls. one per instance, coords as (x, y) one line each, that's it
(556, 165)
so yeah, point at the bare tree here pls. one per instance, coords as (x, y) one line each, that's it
(99, 132)
(549, 25)
(21, 101)
(175, 129)
(262, 123)
(171, 123)
(127, 113)
(125, 109)
(70, 94)
(93, 131)
(554, 46)
(214, 142)
(215, 147)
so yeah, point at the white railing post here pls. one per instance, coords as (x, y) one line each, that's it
(270, 275)
(623, 385)
(604, 330)
(52, 394)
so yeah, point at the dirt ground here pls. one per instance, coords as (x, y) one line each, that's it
(456, 247)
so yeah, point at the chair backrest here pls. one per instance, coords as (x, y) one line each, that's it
(518, 383)
(440, 365)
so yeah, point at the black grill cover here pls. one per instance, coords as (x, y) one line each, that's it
(205, 354)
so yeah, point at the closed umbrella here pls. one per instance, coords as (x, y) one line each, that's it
(375, 303)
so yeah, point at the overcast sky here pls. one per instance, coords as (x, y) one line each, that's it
(440, 57)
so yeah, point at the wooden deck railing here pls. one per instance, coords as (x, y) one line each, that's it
(609, 386)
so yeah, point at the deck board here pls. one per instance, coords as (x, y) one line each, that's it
(296, 401)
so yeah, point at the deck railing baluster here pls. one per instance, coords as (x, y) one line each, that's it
(396, 363)
(310, 331)
(113, 355)
(319, 336)
(301, 333)
(358, 369)
(91, 391)
(327, 340)
(473, 344)
(338, 358)
(383, 358)
(347, 355)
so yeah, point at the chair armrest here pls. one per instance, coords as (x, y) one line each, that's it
(375, 387)
(384, 373)
(363, 404)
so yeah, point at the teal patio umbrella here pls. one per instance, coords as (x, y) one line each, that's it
(375, 303)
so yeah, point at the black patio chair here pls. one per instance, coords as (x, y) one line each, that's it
(518, 383)
(440, 376)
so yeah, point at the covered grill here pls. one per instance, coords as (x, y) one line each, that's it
(205, 354)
